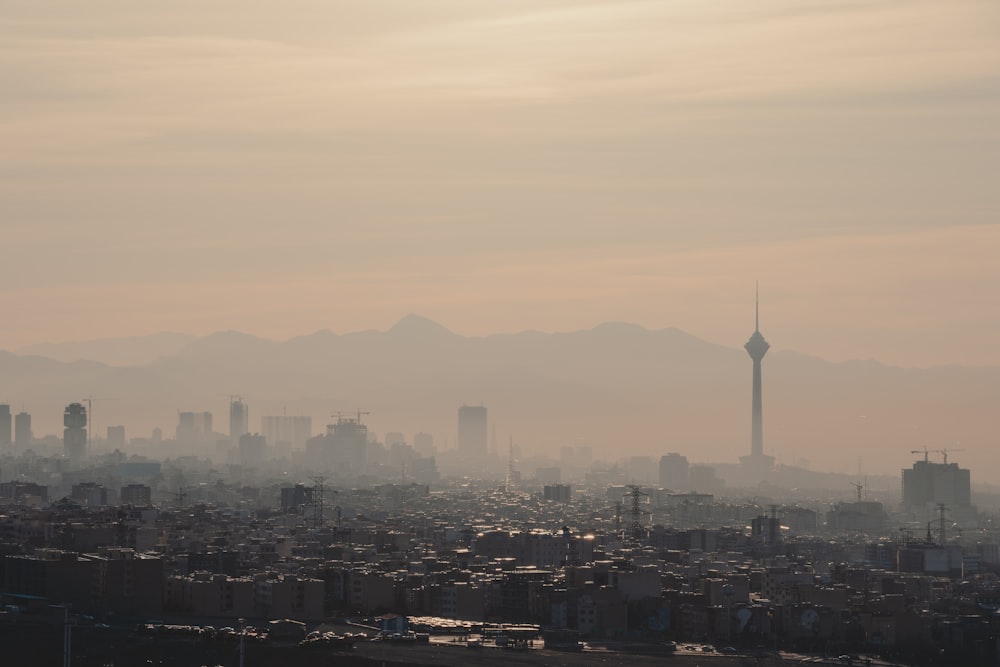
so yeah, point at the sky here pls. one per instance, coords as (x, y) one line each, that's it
(283, 167)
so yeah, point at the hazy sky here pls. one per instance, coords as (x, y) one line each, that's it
(282, 167)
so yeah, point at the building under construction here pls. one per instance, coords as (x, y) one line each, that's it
(930, 484)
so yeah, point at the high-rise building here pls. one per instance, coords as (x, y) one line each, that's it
(294, 498)
(90, 493)
(137, 495)
(194, 427)
(674, 472)
(75, 431)
(757, 462)
(252, 449)
(472, 433)
(929, 484)
(394, 438)
(22, 430)
(116, 437)
(5, 430)
(344, 448)
(286, 432)
(423, 444)
(239, 419)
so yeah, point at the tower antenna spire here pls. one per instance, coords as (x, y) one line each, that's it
(756, 306)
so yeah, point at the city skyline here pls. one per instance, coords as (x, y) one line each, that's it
(413, 375)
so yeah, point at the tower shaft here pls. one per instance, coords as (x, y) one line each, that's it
(757, 347)
(757, 418)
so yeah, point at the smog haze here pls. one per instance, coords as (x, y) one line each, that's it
(225, 194)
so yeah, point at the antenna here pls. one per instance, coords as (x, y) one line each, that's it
(756, 323)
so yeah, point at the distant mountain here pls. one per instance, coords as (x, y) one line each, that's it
(135, 351)
(619, 387)
(415, 327)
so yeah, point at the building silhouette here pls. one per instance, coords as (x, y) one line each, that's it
(286, 432)
(423, 444)
(674, 472)
(5, 430)
(252, 449)
(75, 431)
(929, 484)
(472, 436)
(22, 430)
(239, 419)
(344, 448)
(757, 463)
(137, 495)
(194, 427)
(116, 437)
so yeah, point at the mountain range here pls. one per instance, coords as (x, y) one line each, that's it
(619, 387)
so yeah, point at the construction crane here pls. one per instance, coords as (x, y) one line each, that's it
(944, 453)
(858, 486)
(339, 415)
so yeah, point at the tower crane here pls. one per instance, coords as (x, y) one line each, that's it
(858, 486)
(339, 415)
(944, 453)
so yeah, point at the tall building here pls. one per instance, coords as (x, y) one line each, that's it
(239, 419)
(423, 444)
(116, 437)
(472, 434)
(286, 432)
(75, 431)
(674, 472)
(757, 462)
(137, 495)
(344, 448)
(22, 430)
(929, 484)
(252, 449)
(194, 427)
(394, 438)
(5, 431)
